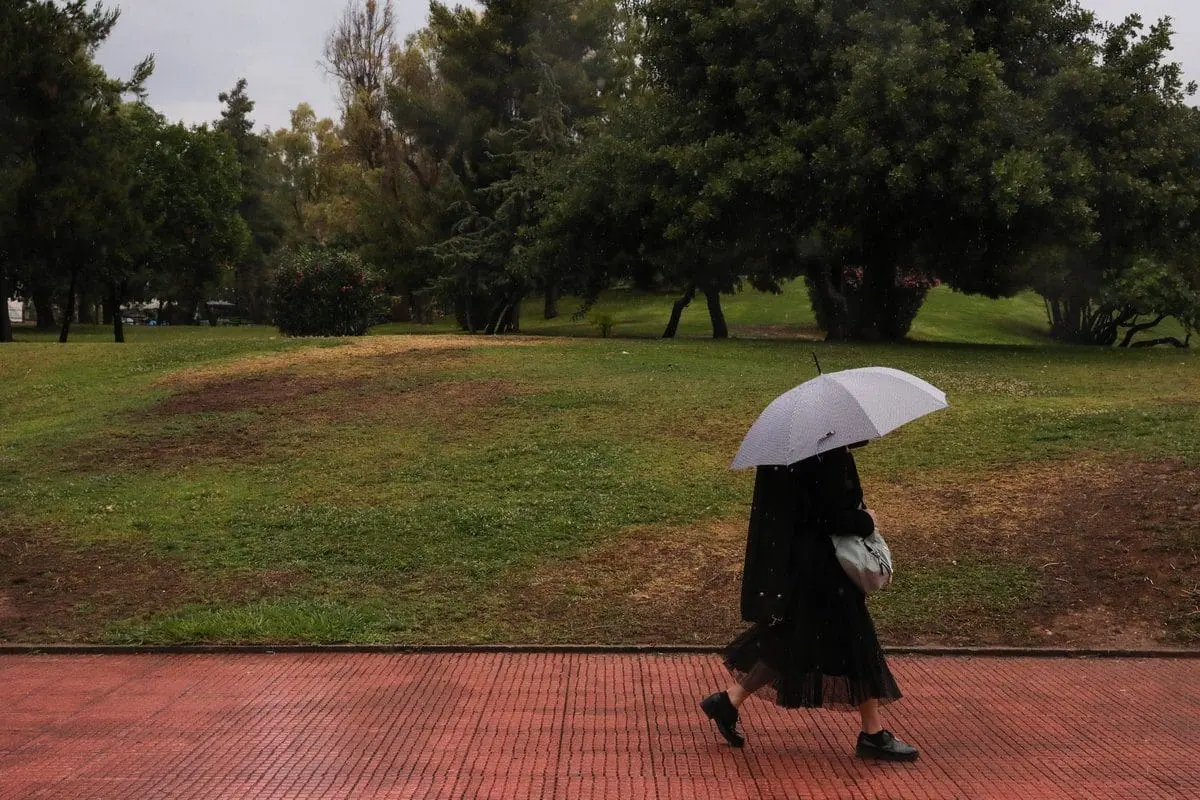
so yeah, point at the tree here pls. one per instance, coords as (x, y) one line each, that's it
(262, 217)
(497, 99)
(199, 233)
(292, 155)
(111, 213)
(357, 56)
(922, 174)
(390, 210)
(59, 106)
(597, 217)
(641, 204)
(316, 181)
(1121, 149)
(134, 229)
(15, 161)
(875, 146)
(407, 210)
(83, 211)
(1153, 291)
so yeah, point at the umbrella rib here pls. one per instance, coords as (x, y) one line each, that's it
(863, 410)
(854, 402)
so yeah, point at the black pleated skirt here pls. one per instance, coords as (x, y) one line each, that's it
(826, 654)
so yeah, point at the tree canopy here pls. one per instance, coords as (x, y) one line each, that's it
(1118, 242)
(873, 148)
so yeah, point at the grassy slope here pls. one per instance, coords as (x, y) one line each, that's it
(946, 316)
(395, 495)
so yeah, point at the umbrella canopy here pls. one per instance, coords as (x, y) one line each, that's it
(836, 410)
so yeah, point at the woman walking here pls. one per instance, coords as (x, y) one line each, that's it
(812, 643)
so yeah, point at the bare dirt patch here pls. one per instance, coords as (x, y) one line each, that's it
(1113, 543)
(249, 392)
(649, 585)
(132, 448)
(1113, 546)
(1083, 626)
(251, 409)
(390, 349)
(440, 401)
(808, 333)
(274, 382)
(51, 591)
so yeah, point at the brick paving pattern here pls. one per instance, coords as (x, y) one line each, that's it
(577, 726)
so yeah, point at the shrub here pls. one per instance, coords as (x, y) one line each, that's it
(326, 292)
(604, 323)
(869, 312)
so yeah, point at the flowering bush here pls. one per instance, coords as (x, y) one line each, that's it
(886, 312)
(325, 292)
(852, 278)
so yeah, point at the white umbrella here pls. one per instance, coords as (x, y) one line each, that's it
(836, 410)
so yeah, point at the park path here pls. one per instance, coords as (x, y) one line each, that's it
(576, 725)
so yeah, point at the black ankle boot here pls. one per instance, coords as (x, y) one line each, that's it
(884, 745)
(720, 710)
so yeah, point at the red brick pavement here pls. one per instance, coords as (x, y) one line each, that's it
(576, 726)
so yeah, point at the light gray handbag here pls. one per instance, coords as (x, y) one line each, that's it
(867, 561)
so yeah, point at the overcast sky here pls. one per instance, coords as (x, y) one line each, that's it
(203, 46)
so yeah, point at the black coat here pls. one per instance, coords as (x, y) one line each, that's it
(792, 507)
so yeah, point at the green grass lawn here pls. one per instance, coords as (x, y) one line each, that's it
(227, 484)
(946, 316)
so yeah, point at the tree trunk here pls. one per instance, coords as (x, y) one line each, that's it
(1171, 340)
(551, 308)
(259, 313)
(871, 302)
(114, 302)
(1054, 313)
(1109, 321)
(1135, 329)
(677, 311)
(471, 311)
(1071, 322)
(5, 322)
(514, 315)
(829, 303)
(412, 307)
(505, 317)
(883, 314)
(109, 310)
(43, 304)
(1077, 321)
(719, 329)
(401, 308)
(467, 306)
(70, 310)
(421, 306)
(87, 310)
